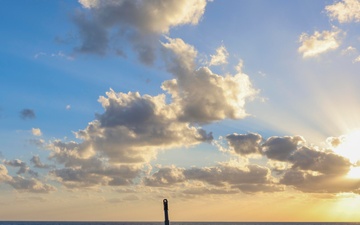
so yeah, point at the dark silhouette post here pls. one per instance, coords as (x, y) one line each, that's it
(165, 201)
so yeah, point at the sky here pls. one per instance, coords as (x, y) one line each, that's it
(232, 110)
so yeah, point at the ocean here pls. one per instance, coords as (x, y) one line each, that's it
(173, 223)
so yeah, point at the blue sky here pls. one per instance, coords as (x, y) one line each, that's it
(110, 106)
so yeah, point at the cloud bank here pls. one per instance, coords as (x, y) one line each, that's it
(140, 23)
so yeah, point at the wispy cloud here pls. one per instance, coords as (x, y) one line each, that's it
(319, 42)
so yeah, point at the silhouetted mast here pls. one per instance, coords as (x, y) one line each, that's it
(165, 201)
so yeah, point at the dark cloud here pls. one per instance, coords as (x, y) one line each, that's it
(222, 177)
(93, 172)
(308, 182)
(93, 35)
(280, 148)
(23, 184)
(165, 177)
(245, 144)
(323, 162)
(30, 185)
(27, 114)
(132, 129)
(139, 23)
(38, 164)
(23, 168)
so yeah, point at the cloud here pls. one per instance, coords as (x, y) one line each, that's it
(86, 174)
(201, 95)
(281, 148)
(308, 182)
(68, 107)
(322, 162)
(220, 57)
(138, 22)
(165, 177)
(224, 176)
(209, 191)
(319, 42)
(344, 11)
(23, 168)
(30, 185)
(357, 59)
(305, 167)
(23, 184)
(134, 127)
(245, 144)
(4, 177)
(27, 114)
(38, 164)
(36, 131)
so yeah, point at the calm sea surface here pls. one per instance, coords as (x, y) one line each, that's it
(171, 223)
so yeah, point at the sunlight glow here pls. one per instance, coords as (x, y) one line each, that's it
(354, 173)
(350, 146)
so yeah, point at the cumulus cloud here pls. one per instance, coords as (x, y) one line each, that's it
(323, 183)
(201, 95)
(4, 177)
(27, 114)
(23, 168)
(30, 185)
(165, 177)
(345, 11)
(225, 176)
(84, 173)
(21, 183)
(139, 22)
(281, 148)
(319, 42)
(38, 164)
(134, 127)
(245, 144)
(220, 57)
(300, 165)
(36, 131)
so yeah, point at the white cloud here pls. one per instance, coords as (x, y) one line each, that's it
(220, 57)
(345, 11)
(200, 95)
(68, 107)
(133, 128)
(349, 50)
(36, 131)
(357, 59)
(319, 42)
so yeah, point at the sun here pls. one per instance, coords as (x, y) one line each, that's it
(349, 147)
